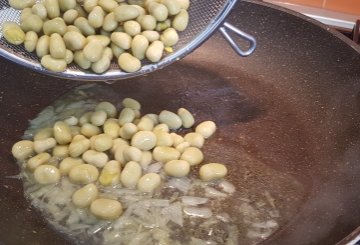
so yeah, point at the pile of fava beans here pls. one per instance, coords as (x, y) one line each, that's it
(105, 147)
(91, 33)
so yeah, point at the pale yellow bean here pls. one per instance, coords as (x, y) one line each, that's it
(192, 155)
(131, 103)
(108, 107)
(184, 4)
(52, 8)
(74, 40)
(43, 133)
(98, 159)
(57, 46)
(132, 27)
(81, 61)
(89, 130)
(44, 145)
(106, 209)
(164, 154)
(62, 133)
(129, 63)
(177, 139)
(96, 17)
(108, 53)
(98, 118)
(78, 137)
(145, 123)
(132, 153)
(104, 40)
(60, 151)
(84, 26)
(26, 12)
(177, 168)
(155, 51)
(93, 50)
(88, 5)
(146, 159)
(182, 146)
(80, 10)
(151, 35)
(118, 142)
(42, 46)
(68, 163)
(181, 20)
(163, 139)
(206, 129)
(169, 37)
(56, 25)
(32, 23)
(103, 142)
(21, 4)
(13, 33)
(69, 57)
(212, 171)
(153, 117)
(110, 24)
(170, 119)
(102, 65)
(186, 117)
(148, 22)
(158, 10)
(47, 174)
(195, 139)
(78, 147)
(121, 39)
(126, 12)
(83, 197)
(128, 130)
(161, 127)
(131, 174)
(119, 153)
(108, 5)
(52, 64)
(39, 10)
(85, 118)
(149, 182)
(22, 149)
(70, 16)
(127, 115)
(139, 46)
(173, 6)
(83, 174)
(75, 130)
(38, 160)
(110, 174)
(144, 140)
(67, 5)
(116, 50)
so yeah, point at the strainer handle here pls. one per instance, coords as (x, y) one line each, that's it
(226, 27)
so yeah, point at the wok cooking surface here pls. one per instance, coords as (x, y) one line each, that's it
(294, 105)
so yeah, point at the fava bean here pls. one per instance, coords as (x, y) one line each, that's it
(69, 57)
(117, 143)
(13, 33)
(108, 5)
(23, 149)
(119, 153)
(52, 8)
(96, 17)
(89, 5)
(131, 174)
(103, 142)
(32, 23)
(139, 46)
(195, 139)
(67, 4)
(26, 12)
(44, 145)
(98, 118)
(57, 46)
(106, 209)
(102, 64)
(78, 147)
(93, 50)
(110, 23)
(70, 16)
(46, 174)
(173, 6)
(104, 40)
(146, 158)
(170, 119)
(132, 27)
(181, 20)
(127, 115)
(84, 26)
(74, 40)
(83, 174)
(52, 64)
(153, 117)
(43, 133)
(182, 146)
(155, 51)
(131, 103)
(161, 127)
(83, 197)
(126, 12)
(163, 139)
(110, 174)
(169, 37)
(206, 129)
(192, 155)
(117, 51)
(89, 130)
(177, 139)
(68, 163)
(212, 171)
(81, 61)
(158, 10)
(128, 130)
(145, 123)
(108, 107)
(38, 160)
(42, 46)
(98, 159)
(165, 154)
(21, 4)
(149, 182)
(186, 118)
(132, 153)
(39, 10)
(144, 140)
(121, 39)
(148, 22)
(56, 25)
(62, 133)
(60, 151)
(177, 168)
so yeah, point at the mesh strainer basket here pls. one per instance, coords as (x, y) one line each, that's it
(205, 17)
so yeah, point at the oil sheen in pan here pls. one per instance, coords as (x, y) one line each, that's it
(263, 199)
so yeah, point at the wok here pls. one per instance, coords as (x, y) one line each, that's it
(293, 105)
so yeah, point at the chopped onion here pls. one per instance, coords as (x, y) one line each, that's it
(193, 201)
(182, 184)
(265, 225)
(175, 213)
(256, 234)
(212, 192)
(154, 168)
(227, 187)
(224, 217)
(154, 203)
(198, 212)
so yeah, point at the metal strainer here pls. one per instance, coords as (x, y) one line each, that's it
(205, 17)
